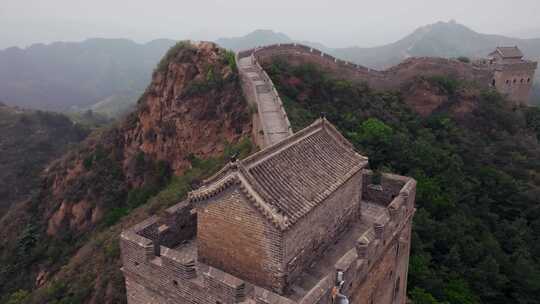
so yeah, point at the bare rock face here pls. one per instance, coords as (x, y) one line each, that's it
(193, 106)
(426, 98)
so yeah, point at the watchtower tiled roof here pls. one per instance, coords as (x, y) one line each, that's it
(288, 179)
(509, 52)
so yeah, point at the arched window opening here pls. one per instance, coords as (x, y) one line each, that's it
(515, 80)
(493, 82)
(528, 80)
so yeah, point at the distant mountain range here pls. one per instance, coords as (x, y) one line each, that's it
(263, 37)
(108, 75)
(441, 39)
(65, 75)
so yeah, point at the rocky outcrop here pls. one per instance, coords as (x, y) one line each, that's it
(193, 107)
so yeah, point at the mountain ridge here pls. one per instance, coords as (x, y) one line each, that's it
(63, 75)
(107, 75)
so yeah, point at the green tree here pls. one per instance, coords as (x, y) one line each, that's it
(420, 296)
(18, 297)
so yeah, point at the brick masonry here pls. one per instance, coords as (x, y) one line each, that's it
(250, 248)
(375, 269)
(515, 80)
(240, 239)
(308, 240)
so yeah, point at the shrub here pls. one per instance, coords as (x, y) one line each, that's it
(171, 54)
(18, 297)
(230, 60)
(448, 84)
(114, 215)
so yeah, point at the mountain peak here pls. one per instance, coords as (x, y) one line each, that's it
(257, 37)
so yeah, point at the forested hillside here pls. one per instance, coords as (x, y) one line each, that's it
(62, 246)
(477, 229)
(29, 140)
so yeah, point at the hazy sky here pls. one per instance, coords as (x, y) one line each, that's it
(335, 23)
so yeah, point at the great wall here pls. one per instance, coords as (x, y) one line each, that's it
(300, 221)
(270, 119)
(271, 123)
(512, 77)
(392, 78)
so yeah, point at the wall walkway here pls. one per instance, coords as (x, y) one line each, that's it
(261, 94)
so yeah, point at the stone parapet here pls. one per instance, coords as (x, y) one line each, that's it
(287, 48)
(518, 66)
(271, 119)
(356, 264)
(275, 94)
(175, 273)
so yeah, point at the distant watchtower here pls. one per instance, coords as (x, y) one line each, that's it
(512, 75)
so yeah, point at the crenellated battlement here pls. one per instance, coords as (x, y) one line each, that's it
(289, 48)
(246, 236)
(175, 268)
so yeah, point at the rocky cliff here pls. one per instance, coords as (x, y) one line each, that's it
(192, 110)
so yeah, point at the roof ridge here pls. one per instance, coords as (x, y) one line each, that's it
(237, 177)
(334, 132)
(254, 159)
(288, 179)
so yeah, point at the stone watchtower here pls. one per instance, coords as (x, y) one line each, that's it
(297, 222)
(512, 75)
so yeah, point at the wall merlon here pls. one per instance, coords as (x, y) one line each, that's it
(145, 227)
(362, 248)
(230, 288)
(379, 230)
(175, 257)
(130, 236)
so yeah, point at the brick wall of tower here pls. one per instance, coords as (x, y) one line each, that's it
(167, 275)
(139, 294)
(233, 236)
(372, 268)
(308, 239)
(386, 281)
(515, 80)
